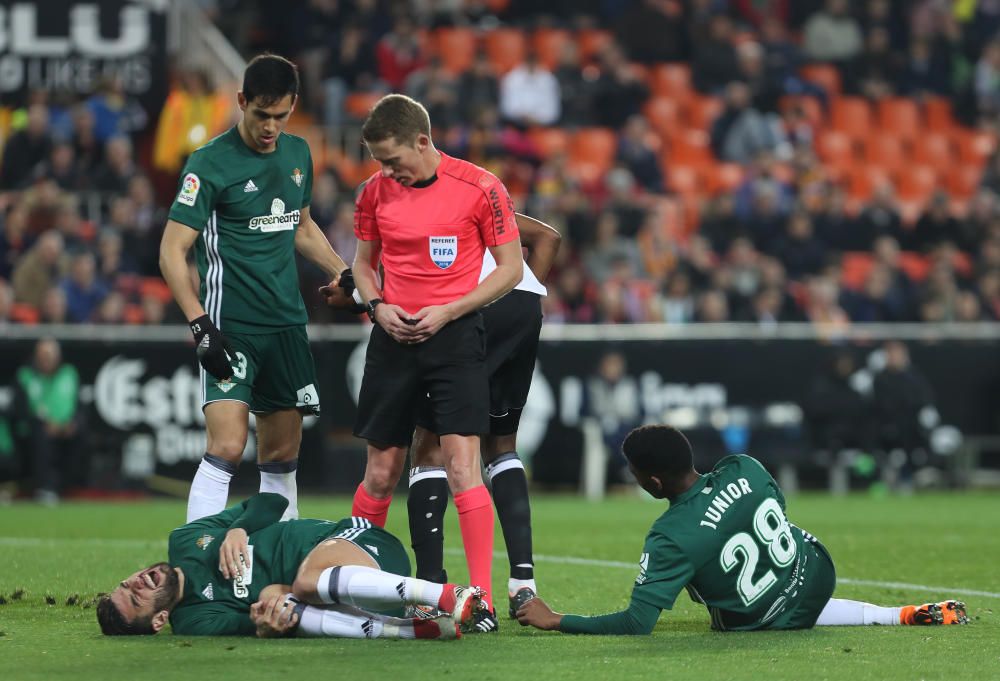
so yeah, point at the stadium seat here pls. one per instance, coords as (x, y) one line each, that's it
(701, 112)
(672, 80)
(684, 180)
(917, 182)
(455, 46)
(916, 265)
(690, 147)
(354, 173)
(974, 146)
(723, 177)
(358, 104)
(23, 313)
(885, 151)
(899, 116)
(836, 149)
(937, 114)
(154, 287)
(133, 314)
(862, 180)
(549, 141)
(663, 114)
(591, 41)
(811, 106)
(505, 48)
(548, 45)
(851, 115)
(854, 268)
(963, 180)
(592, 151)
(824, 75)
(933, 149)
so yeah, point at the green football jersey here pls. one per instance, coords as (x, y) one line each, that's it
(247, 207)
(213, 605)
(727, 540)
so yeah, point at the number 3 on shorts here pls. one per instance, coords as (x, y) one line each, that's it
(240, 368)
(772, 531)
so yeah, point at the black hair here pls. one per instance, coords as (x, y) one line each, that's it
(113, 623)
(268, 78)
(659, 450)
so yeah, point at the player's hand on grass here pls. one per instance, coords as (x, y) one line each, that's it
(233, 554)
(274, 616)
(397, 323)
(214, 351)
(430, 320)
(539, 615)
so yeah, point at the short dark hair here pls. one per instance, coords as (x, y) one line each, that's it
(268, 78)
(659, 450)
(113, 623)
(396, 116)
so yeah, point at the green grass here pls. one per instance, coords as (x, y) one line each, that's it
(946, 541)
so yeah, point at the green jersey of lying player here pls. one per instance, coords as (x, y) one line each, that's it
(726, 540)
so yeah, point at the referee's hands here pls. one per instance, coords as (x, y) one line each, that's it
(430, 320)
(396, 322)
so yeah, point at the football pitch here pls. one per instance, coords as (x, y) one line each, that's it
(890, 551)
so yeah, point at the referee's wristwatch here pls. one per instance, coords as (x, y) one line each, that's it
(370, 307)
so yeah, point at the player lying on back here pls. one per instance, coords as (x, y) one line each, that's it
(242, 572)
(725, 538)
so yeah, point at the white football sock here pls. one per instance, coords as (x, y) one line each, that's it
(279, 477)
(842, 612)
(210, 487)
(515, 585)
(347, 622)
(368, 588)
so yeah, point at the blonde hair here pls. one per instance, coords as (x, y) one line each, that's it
(396, 116)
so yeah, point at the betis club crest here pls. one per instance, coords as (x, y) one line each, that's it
(297, 177)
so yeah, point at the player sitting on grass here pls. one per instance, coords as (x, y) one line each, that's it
(244, 572)
(725, 538)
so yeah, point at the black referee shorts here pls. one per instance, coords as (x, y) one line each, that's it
(513, 325)
(448, 370)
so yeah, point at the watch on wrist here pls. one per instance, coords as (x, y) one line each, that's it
(370, 307)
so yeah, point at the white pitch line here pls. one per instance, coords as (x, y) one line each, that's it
(24, 542)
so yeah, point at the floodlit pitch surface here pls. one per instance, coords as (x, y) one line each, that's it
(888, 551)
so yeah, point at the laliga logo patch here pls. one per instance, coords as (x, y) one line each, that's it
(444, 250)
(189, 189)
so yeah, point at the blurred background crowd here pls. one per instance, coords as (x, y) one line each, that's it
(705, 160)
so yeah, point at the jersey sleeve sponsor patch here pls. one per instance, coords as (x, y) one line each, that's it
(189, 190)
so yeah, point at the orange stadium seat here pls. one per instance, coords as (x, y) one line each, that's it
(937, 114)
(505, 48)
(591, 41)
(917, 182)
(835, 149)
(851, 115)
(673, 80)
(899, 116)
(663, 114)
(933, 149)
(701, 112)
(456, 47)
(684, 180)
(691, 147)
(548, 44)
(592, 151)
(854, 268)
(963, 180)
(549, 141)
(358, 104)
(974, 146)
(154, 287)
(862, 180)
(23, 313)
(916, 265)
(724, 177)
(824, 75)
(885, 151)
(810, 106)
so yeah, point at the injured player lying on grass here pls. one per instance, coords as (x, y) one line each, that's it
(726, 540)
(242, 572)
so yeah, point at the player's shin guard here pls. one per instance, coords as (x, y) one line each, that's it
(210, 487)
(279, 477)
(372, 589)
(510, 495)
(475, 519)
(347, 622)
(426, 505)
(367, 506)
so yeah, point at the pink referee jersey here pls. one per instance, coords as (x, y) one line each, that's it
(433, 237)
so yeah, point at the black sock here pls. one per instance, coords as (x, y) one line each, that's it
(426, 504)
(510, 496)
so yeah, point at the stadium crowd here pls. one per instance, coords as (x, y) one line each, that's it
(705, 160)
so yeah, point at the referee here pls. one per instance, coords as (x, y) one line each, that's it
(428, 218)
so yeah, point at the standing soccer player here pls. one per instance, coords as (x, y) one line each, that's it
(244, 205)
(513, 325)
(429, 218)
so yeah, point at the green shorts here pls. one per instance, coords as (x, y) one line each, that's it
(271, 372)
(382, 546)
(820, 581)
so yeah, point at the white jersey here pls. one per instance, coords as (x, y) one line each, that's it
(529, 282)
